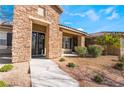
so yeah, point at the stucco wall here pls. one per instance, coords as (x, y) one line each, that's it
(22, 32)
(122, 47)
(81, 40)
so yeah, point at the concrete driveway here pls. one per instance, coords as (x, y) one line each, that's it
(45, 73)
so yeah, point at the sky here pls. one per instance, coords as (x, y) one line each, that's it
(93, 19)
(6, 13)
(88, 18)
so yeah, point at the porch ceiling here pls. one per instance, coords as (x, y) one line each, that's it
(71, 33)
(40, 28)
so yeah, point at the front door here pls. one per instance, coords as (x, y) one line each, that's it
(38, 44)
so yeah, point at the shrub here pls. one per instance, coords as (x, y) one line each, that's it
(121, 58)
(6, 68)
(119, 66)
(81, 51)
(71, 65)
(98, 79)
(95, 50)
(3, 84)
(61, 59)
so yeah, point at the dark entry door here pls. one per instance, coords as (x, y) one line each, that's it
(38, 43)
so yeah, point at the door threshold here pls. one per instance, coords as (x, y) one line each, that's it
(38, 56)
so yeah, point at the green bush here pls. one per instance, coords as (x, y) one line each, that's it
(119, 66)
(3, 84)
(71, 65)
(98, 79)
(61, 59)
(95, 50)
(81, 51)
(6, 68)
(121, 58)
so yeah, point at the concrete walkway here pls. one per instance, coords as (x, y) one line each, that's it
(45, 73)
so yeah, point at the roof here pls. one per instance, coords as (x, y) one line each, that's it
(105, 32)
(60, 8)
(73, 29)
(57, 8)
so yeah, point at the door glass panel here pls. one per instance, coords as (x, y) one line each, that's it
(34, 43)
(41, 43)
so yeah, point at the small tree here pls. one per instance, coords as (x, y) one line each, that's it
(109, 40)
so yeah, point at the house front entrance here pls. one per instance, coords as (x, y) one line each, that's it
(38, 44)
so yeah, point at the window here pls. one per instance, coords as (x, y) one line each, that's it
(41, 11)
(5, 40)
(9, 39)
(67, 42)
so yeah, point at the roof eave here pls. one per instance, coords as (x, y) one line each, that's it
(74, 30)
(57, 8)
(6, 27)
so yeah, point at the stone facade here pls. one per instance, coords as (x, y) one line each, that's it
(22, 32)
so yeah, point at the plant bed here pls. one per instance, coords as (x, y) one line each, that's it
(61, 59)
(95, 50)
(81, 51)
(119, 66)
(87, 68)
(98, 79)
(3, 84)
(71, 65)
(6, 68)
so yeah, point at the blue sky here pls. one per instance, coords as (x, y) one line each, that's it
(6, 10)
(93, 18)
(88, 18)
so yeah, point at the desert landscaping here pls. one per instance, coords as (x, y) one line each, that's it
(86, 68)
(18, 76)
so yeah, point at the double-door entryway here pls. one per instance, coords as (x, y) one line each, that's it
(38, 44)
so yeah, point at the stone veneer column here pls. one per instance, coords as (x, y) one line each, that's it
(55, 41)
(22, 32)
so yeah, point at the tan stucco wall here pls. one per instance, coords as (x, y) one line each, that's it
(22, 32)
(81, 40)
(122, 46)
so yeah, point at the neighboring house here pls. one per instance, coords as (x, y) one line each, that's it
(112, 50)
(36, 32)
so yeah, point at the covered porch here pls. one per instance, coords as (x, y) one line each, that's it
(70, 39)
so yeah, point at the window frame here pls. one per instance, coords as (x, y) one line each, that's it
(66, 43)
(5, 39)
